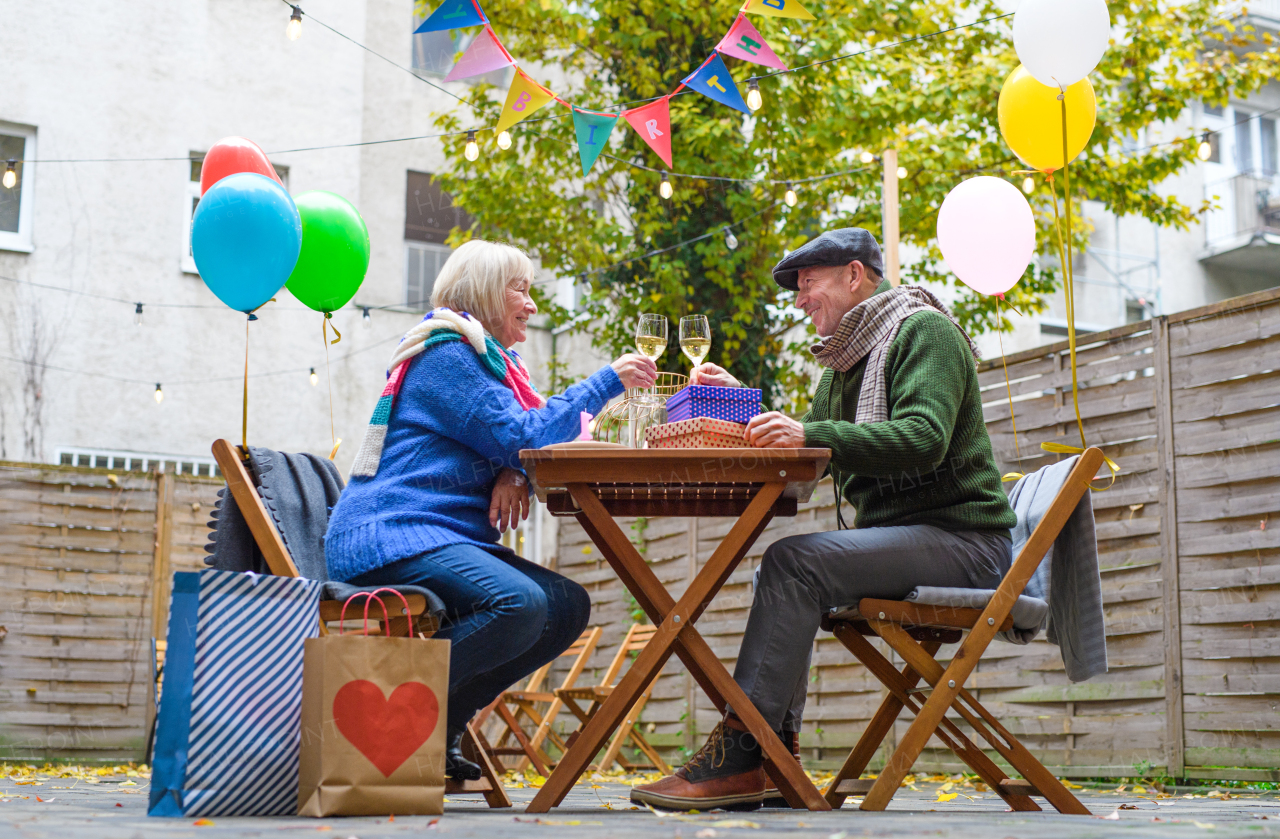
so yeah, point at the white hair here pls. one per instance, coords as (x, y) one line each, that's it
(476, 276)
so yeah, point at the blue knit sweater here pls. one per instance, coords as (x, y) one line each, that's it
(453, 427)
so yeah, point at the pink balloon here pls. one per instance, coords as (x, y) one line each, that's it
(987, 234)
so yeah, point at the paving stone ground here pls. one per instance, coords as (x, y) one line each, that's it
(62, 808)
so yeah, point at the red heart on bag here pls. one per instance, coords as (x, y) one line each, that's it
(385, 730)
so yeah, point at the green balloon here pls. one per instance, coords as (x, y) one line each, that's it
(335, 252)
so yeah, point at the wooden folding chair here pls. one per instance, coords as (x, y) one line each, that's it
(243, 489)
(636, 639)
(514, 704)
(916, 632)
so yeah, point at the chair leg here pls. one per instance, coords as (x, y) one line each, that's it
(974, 713)
(620, 736)
(518, 733)
(476, 749)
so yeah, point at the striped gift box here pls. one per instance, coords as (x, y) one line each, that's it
(697, 433)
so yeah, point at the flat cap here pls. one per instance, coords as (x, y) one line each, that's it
(835, 247)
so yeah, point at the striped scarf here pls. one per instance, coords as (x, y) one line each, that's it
(439, 326)
(868, 329)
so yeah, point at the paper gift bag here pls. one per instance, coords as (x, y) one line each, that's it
(373, 725)
(227, 731)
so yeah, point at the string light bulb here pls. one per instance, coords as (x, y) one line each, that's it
(867, 157)
(754, 100)
(902, 172)
(504, 140)
(159, 393)
(294, 29)
(473, 150)
(1204, 152)
(137, 314)
(730, 240)
(11, 174)
(1028, 185)
(664, 188)
(314, 378)
(364, 317)
(790, 196)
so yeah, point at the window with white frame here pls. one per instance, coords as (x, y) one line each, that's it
(17, 144)
(430, 215)
(191, 198)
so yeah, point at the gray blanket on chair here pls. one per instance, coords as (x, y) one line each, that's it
(1064, 596)
(298, 490)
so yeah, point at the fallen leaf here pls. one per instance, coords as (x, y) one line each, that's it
(203, 823)
(29, 783)
(1127, 807)
(736, 823)
(118, 804)
(433, 824)
(46, 800)
(129, 784)
(946, 796)
(1139, 789)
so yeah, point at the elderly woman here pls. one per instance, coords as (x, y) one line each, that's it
(438, 474)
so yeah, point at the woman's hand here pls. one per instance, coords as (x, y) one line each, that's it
(775, 431)
(710, 374)
(509, 503)
(635, 370)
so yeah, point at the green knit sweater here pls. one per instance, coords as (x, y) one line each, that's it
(931, 462)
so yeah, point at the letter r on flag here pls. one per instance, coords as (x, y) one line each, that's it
(651, 126)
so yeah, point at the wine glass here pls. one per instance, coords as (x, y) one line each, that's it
(695, 338)
(651, 335)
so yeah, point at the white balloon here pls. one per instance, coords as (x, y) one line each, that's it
(1061, 41)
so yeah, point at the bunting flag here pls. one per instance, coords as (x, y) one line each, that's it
(524, 97)
(593, 135)
(743, 41)
(484, 55)
(455, 14)
(653, 123)
(778, 8)
(712, 79)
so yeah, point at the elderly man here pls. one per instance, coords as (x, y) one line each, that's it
(899, 407)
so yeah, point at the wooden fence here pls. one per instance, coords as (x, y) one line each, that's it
(1189, 405)
(86, 557)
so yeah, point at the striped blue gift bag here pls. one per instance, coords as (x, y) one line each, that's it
(227, 736)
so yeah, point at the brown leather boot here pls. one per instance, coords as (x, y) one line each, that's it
(726, 773)
(772, 797)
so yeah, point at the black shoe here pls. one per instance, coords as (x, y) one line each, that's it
(456, 766)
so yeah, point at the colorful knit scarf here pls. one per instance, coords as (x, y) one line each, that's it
(439, 326)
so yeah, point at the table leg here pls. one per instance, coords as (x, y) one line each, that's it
(676, 632)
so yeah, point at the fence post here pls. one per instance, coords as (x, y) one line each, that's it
(1172, 604)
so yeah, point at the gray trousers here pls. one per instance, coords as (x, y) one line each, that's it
(802, 577)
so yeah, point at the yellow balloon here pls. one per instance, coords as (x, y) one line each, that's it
(1031, 119)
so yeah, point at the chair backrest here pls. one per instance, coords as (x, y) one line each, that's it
(581, 650)
(240, 484)
(634, 641)
(1046, 532)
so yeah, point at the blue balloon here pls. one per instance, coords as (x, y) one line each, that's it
(245, 237)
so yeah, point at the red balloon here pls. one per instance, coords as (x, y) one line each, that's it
(232, 155)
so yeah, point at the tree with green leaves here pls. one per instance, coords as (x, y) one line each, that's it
(921, 77)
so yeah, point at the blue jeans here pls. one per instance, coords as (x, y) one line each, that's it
(506, 617)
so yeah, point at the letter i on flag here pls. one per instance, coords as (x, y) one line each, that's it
(593, 135)
(453, 14)
(712, 79)
(653, 123)
(778, 8)
(743, 41)
(524, 97)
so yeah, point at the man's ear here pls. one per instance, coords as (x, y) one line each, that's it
(857, 273)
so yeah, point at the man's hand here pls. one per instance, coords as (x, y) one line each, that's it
(775, 431)
(710, 374)
(509, 503)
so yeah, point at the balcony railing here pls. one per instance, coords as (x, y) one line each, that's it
(1248, 205)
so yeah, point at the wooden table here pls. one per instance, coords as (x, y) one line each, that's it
(594, 485)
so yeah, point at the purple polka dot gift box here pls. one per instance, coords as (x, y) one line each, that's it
(732, 404)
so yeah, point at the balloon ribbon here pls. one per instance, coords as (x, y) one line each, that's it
(1008, 476)
(244, 409)
(1068, 270)
(325, 326)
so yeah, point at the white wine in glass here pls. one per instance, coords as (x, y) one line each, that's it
(695, 337)
(651, 336)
